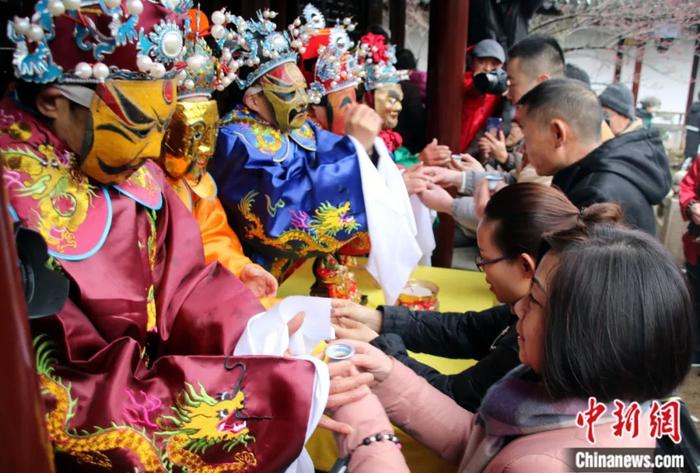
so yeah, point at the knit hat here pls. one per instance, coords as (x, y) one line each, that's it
(489, 48)
(618, 98)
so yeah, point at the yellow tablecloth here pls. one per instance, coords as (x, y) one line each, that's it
(459, 291)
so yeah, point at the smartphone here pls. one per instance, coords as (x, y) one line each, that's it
(494, 125)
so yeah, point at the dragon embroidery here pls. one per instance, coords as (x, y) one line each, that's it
(315, 233)
(160, 443)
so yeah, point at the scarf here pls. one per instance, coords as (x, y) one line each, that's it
(515, 406)
(392, 139)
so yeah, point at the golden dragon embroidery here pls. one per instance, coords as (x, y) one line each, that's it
(199, 421)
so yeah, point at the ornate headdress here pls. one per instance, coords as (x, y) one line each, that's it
(379, 60)
(203, 72)
(92, 40)
(255, 44)
(336, 67)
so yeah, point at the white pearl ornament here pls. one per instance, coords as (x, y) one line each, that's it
(134, 7)
(100, 71)
(112, 3)
(218, 31)
(144, 63)
(35, 33)
(56, 8)
(218, 17)
(157, 71)
(22, 25)
(83, 70)
(171, 44)
(71, 4)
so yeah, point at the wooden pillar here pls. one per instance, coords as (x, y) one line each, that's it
(374, 13)
(619, 59)
(638, 59)
(397, 22)
(23, 437)
(446, 42)
(693, 74)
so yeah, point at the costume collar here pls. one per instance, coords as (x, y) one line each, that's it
(188, 192)
(263, 137)
(49, 195)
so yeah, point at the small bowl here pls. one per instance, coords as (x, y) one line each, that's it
(339, 352)
(420, 295)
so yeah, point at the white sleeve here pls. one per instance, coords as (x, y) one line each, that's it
(392, 227)
(266, 334)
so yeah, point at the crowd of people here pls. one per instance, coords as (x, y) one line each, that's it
(170, 219)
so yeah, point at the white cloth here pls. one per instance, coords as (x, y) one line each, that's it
(424, 226)
(392, 227)
(267, 334)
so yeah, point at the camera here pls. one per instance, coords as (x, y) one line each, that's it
(495, 82)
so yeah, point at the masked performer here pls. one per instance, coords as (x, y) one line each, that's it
(383, 93)
(187, 147)
(134, 367)
(291, 189)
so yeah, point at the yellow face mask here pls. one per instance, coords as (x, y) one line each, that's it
(387, 103)
(126, 125)
(190, 139)
(285, 89)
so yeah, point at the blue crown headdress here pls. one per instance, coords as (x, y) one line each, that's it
(255, 44)
(97, 28)
(336, 67)
(379, 62)
(204, 71)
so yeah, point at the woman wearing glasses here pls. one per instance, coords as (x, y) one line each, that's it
(604, 335)
(509, 239)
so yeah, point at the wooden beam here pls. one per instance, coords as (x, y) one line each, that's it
(693, 73)
(375, 12)
(619, 59)
(446, 42)
(397, 22)
(638, 59)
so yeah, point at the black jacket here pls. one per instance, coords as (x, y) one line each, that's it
(488, 336)
(631, 169)
(692, 136)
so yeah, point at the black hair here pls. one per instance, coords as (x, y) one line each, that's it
(27, 93)
(524, 212)
(619, 317)
(405, 59)
(538, 54)
(572, 71)
(569, 100)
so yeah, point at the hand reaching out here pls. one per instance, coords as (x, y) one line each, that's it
(354, 311)
(260, 282)
(435, 155)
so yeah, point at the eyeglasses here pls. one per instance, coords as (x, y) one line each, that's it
(481, 262)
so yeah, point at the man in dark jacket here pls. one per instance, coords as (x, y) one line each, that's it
(561, 119)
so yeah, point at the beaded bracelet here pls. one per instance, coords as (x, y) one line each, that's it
(377, 438)
(341, 465)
